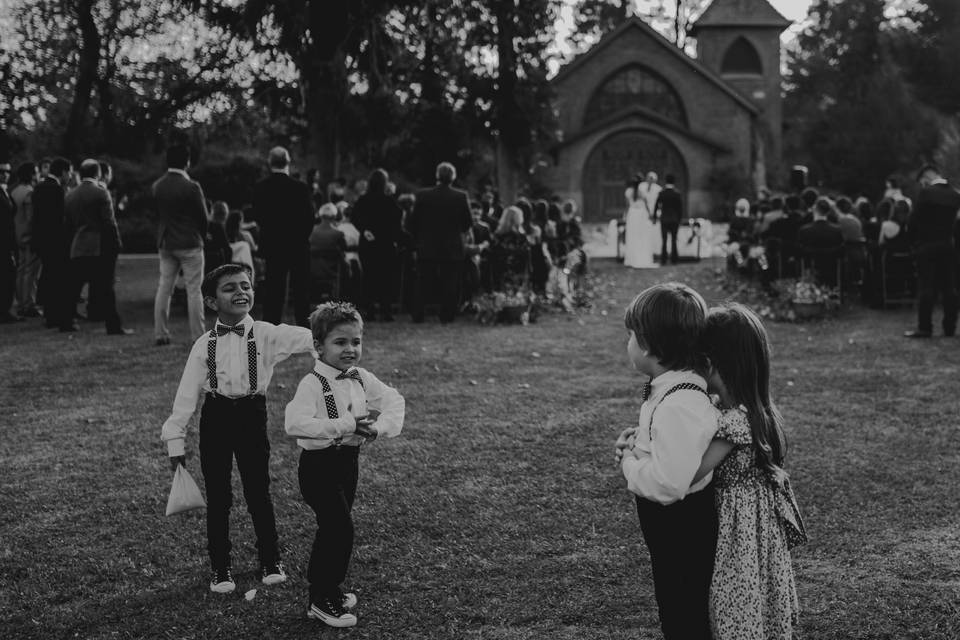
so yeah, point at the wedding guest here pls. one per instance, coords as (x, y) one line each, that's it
(28, 262)
(216, 245)
(931, 229)
(8, 247)
(94, 309)
(51, 243)
(819, 238)
(893, 227)
(539, 254)
(283, 207)
(378, 218)
(440, 217)
(510, 252)
(182, 215)
(476, 245)
(239, 242)
(94, 247)
(490, 208)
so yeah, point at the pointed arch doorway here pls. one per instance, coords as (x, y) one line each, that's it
(615, 160)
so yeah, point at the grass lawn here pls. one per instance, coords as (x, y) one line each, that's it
(498, 512)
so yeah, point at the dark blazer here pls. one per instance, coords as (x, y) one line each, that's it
(181, 212)
(438, 221)
(669, 206)
(934, 215)
(819, 234)
(48, 222)
(283, 207)
(8, 228)
(89, 211)
(380, 215)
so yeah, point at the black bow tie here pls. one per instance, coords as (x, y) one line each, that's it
(223, 329)
(351, 373)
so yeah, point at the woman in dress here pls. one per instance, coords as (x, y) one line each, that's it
(641, 233)
(510, 252)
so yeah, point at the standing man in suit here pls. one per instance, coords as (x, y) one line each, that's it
(182, 218)
(931, 230)
(438, 222)
(283, 207)
(669, 210)
(50, 242)
(28, 263)
(8, 247)
(95, 244)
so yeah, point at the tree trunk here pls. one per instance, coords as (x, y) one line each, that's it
(324, 78)
(89, 60)
(509, 118)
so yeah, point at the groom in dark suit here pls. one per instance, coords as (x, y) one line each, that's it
(438, 222)
(283, 207)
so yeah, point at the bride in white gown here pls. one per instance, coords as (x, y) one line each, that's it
(641, 232)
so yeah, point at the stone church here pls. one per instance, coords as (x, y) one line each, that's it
(635, 102)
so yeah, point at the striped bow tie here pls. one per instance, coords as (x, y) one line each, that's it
(223, 329)
(351, 373)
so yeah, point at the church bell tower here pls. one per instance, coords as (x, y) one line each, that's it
(739, 40)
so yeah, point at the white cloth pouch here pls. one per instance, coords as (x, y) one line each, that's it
(184, 493)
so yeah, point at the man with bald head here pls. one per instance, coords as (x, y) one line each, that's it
(283, 208)
(95, 244)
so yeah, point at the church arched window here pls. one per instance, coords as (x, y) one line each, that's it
(635, 86)
(742, 59)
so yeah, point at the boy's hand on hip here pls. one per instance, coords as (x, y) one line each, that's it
(176, 461)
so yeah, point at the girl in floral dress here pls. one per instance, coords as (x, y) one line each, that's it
(752, 594)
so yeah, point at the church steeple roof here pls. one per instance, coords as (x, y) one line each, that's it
(740, 13)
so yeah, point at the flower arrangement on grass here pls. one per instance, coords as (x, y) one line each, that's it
(786, 300)
(508, 307)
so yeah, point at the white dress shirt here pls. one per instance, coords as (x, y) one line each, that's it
(275, 343)
(306, 415)
(683, 426)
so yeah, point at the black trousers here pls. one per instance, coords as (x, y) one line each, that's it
(682, 540)
(236, 428)
(443, 278)
(937, 277)
(54, 288)
(296, 265)
(99, 272)
(328, 483)
(381, 277)
(668, 229)
(8, 281)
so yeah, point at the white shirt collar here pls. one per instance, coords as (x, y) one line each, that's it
(326, 370)
(938, 181)
(285, 171)
(181, 172)
(93, 180)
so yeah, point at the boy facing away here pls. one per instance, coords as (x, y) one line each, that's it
(337, 408)
(231, 366)
(660, 457)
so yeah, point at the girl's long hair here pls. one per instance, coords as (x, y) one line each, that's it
(736, 343)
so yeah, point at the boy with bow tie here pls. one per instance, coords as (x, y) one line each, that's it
(231, 365)
(337, 407)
